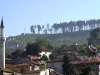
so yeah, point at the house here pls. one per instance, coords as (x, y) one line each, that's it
(82, 57)
(38, 72)
(69, 50)
(80, 45)
(34, 58)
(91, 61)
(44, 71)
(34, 65)
(45, 51)
(91, 49)
(57, 62)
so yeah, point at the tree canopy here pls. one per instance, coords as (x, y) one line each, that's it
(65, 27)
(94, 34)
(82, 50)
(42, 41)
(33, 49)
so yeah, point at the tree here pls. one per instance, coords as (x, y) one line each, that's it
(6, 54)
(44, 57)
(82, 50)
(39, 28)
(23, 69)
(50, 46)
(33, 49)
(67, 68)
(94, 34)
(31, 28)
(86, 70)
(53, 55)
(42, 41)
(17, 53)
(1, 71)
(13, 69)
(64, 45)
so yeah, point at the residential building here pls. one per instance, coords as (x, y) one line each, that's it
(69, 50)
(57, 62)
(90, 61)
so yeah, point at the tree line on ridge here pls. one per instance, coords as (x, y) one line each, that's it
(65, 27)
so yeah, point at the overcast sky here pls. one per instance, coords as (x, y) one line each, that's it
(19, 15)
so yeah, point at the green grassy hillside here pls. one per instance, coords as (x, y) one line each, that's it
(55, 39)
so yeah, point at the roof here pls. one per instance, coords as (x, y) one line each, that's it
(23, 60)
(92, 48)
(33, 57)
(5, 70)
(59, 59)
(79, 44)
(69, 48)
(23, 64)
(8, 59)
(45, 49)
(89, 60)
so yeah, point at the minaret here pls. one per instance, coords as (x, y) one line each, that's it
(2, 45)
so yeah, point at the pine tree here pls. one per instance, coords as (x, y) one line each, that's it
(67, 68)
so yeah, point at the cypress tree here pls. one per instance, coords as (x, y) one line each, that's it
(67, 68)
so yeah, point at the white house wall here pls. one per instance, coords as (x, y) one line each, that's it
(46, 53)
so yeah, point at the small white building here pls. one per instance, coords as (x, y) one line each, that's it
(45, 51)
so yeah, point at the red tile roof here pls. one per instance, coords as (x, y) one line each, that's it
(8, 59)
(69, 48)
(33, 57)
(59, 59)
(92, 48)
(45, 49)
(36, 63)
(23, 64)
(89, 60)
(5, 70)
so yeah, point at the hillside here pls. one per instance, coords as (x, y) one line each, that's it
(55, 39)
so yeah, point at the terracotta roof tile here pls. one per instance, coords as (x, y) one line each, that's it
(59, 59)
(33, 57)
(8, 59)
(45, 49)
(23, 64)
(5, 70)
(89, 60)
(92, 48)
(69, 48)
